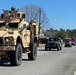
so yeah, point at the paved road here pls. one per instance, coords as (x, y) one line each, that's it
(47, 63)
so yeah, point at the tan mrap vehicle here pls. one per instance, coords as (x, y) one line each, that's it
(17, 36)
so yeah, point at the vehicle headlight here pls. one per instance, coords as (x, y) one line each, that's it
(9, 40)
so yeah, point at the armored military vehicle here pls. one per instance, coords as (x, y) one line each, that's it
(17, 36)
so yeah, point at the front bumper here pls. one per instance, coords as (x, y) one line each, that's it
(51, 46)
(7, 47)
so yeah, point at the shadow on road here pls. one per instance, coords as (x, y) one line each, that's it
(6, 63)
(47, 50)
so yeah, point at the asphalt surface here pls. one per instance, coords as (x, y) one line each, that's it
(47, 63)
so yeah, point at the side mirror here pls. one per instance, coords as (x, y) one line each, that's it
(28, 27)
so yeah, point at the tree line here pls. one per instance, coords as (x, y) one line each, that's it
(32, 12)
(35, 13)
(62, 33)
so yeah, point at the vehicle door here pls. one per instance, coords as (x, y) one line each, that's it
(26, 36)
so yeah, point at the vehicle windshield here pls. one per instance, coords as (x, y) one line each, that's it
(13, 25)
(2, 24)
(10, 25)
(67, 41)
(53, 39)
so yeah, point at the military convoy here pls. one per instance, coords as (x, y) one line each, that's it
(17, 36)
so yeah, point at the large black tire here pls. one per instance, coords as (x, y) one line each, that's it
(37, 43)
(16, 56)
(49, 48)
(65, 46)
(46, 48)
(58, 48)
(33, 49)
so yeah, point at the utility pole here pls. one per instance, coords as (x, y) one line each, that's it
(39, 26)
(39, 19)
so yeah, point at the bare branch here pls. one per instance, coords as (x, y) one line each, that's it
(32, 13)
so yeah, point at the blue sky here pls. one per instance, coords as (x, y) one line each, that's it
(61, 13)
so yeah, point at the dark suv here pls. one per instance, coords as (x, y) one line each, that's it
(68, 42)
(53, 43)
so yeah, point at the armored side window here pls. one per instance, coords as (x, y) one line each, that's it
(12, 16)
(18, 15)
(24, 26)
(23, 15)
(2, 16)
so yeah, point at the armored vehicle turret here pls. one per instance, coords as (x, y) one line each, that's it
(12, 15)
